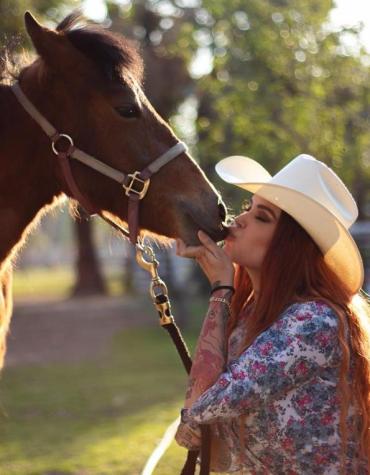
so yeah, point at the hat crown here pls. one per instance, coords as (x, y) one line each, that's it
(316, 180)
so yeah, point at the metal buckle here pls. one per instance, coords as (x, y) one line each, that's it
(134, 178)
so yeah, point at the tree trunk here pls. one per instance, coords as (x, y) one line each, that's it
(179, 296)
(89, 278)
(129, 272)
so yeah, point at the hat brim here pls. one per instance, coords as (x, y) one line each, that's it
(336, 243)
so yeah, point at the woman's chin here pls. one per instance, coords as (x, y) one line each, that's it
(227, 248)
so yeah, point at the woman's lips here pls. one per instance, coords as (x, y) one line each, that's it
(230, 236)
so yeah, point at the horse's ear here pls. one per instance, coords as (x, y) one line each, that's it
(55, 49)
(42, 38)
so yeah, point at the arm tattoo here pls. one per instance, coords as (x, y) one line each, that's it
(210, 354)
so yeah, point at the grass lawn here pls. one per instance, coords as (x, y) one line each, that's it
(55, 282)
(99, 417)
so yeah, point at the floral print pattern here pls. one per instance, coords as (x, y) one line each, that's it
(283, 390)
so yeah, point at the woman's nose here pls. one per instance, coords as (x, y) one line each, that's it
(241, 220)
(235, 222)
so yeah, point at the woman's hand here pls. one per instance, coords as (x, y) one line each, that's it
(212, 259)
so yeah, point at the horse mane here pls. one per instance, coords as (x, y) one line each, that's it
(5, 67)
(10, 62)
(111, 52)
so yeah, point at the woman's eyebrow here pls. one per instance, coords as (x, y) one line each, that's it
(266, 208)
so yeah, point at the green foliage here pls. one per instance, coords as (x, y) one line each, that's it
(281, 85)
(12, 13)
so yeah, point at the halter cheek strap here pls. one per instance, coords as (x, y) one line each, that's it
(135, 184)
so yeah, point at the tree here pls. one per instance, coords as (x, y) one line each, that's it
(282, 84)
(167, 79)
(89, 278)
(12, 13)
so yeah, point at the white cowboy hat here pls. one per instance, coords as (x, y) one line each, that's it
(310, 192)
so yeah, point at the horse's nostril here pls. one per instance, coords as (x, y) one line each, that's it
(222, 211)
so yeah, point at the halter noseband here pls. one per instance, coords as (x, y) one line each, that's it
(135, 184)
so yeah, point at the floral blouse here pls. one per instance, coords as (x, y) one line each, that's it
(280, 393)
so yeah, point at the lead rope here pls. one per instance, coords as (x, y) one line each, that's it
(145, 257)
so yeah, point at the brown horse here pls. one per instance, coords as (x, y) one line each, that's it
(86, 83)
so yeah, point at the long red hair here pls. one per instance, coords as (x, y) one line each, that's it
(294, 270)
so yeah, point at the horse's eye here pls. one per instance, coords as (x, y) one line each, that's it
(129, 111)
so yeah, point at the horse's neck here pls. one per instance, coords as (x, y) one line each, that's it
(27, 177)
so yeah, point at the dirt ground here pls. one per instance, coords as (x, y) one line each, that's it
(72, 330)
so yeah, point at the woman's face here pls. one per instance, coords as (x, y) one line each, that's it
(251, 234)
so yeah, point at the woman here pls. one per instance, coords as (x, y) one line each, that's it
(282, 366)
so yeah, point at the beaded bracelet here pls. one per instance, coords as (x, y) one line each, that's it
(221, 300)
(226, 287)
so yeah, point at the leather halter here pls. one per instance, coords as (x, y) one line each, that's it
(135, 184)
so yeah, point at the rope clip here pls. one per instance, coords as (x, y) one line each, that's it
(146, 259)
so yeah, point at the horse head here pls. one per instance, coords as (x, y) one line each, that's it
(87, 82)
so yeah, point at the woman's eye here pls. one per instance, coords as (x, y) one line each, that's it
(262, 218)
(129, 111)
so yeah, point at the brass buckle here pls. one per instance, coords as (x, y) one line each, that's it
(130, 187)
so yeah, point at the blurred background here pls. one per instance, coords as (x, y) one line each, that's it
(90, 382)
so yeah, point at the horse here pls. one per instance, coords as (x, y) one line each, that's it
(87, 82)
